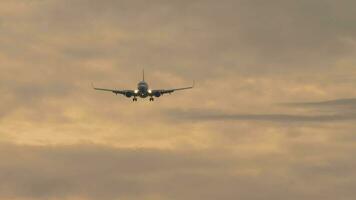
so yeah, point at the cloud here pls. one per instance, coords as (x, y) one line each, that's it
(209, 115)
(343, 108)
(244, 55)
(241, 53)
(296, 34)
(98, 172)
(351, 102)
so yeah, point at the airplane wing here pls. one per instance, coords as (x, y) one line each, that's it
(169, 91)
(123, 92)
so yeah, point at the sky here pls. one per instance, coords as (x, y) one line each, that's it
(272, 115)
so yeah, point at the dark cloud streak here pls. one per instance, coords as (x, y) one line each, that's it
(350, 102)
(208, 115)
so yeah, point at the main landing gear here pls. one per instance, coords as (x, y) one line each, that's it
(135, 99)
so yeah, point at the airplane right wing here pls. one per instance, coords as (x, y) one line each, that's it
(127, 93)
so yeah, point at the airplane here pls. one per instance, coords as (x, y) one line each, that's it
(143, 90)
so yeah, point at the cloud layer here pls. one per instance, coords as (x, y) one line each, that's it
(226, 139)
(97, 172)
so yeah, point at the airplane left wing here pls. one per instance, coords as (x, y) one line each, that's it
(169, 91)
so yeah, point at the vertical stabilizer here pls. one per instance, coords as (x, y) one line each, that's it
(143, 75)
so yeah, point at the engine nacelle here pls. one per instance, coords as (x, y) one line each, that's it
(128, 94)
(157, 94)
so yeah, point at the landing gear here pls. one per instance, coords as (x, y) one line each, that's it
(152, 99)
(134, 99)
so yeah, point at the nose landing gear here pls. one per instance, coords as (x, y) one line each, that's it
(134, 99)
(152, 99)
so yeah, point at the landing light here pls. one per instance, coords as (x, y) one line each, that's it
(136, 91)
(150, 91)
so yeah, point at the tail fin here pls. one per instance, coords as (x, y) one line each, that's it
(143, 75)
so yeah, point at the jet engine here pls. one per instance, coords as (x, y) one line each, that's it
(157, 94)
(128, 94)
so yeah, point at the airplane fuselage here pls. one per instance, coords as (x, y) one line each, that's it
(142, 89)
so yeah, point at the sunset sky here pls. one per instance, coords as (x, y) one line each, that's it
(272, 115)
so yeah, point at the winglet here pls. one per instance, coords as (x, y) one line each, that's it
(193, 84)
(92, 85)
